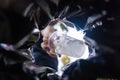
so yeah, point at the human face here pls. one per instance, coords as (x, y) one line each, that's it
(46, 34)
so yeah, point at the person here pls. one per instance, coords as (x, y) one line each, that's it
(63, 10)
(52, 10)
(55, 9)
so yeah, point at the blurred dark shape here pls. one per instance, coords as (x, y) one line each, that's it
(14, 27)
(33, 38)
(26, 48)
(106, 28)
(12, 67)
(100, 67)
